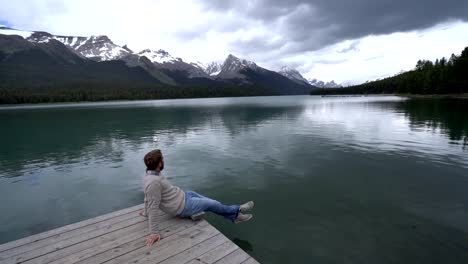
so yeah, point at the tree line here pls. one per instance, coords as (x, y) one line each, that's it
(95, 91)
(444, 76)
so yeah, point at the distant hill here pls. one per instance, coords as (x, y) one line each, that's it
(444, 76)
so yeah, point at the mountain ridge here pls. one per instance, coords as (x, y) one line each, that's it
(165, 68)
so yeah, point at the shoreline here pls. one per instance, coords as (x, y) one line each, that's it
(413, 96)
(65, 103)
(435, 96)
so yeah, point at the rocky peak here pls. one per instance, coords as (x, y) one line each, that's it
(322, 84)
(292, 74)
(213, 68)
(158, 56)
(233, 65)
(125, 47)
(40, 37)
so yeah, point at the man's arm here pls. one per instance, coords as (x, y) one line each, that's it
(153, 197)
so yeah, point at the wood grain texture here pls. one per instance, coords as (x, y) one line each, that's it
(119, 237)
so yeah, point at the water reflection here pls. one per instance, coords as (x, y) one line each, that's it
(366, 177)
(48, 137)
(429, 128)
(447, 116)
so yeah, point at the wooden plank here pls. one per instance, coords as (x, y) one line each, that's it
(178, 245)
(196, 250)
(62, 255)
(216, 254)
(37, 237)
(69, 234)
(129, 247)
(250, 261)
(119, 237)
(236, 257)
(104, 243)
(69, 242)
(142, 253)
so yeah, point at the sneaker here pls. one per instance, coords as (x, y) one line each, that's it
(246, 207)
(242, 218)
(198, 216)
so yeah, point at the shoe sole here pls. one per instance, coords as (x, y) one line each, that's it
(248, 219)
(198, 216)
(247, 209)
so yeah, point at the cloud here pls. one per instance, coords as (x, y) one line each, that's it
(374, 58)
(352, 47)
(326, 39)
(312, 25)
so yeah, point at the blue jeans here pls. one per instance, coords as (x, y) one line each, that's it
(196, 203)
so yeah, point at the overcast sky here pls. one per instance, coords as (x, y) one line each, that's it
(341, 40)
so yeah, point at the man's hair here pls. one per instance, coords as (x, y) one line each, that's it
(152, 159)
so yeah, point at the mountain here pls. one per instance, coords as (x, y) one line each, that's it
(212, 68)
(163, 60)
(241, 71)
(232, 68)
(26, 63)
(152, 65)
(293, 75)
(101, 48)
(322, 84)
(97, 48)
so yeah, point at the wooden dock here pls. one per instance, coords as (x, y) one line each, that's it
(119, 237)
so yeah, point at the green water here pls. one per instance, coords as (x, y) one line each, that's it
(335, 180)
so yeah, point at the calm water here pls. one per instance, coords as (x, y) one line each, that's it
(335, 180)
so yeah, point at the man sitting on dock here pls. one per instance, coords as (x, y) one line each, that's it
(160, 194)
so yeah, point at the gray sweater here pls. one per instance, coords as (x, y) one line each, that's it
(160, 194)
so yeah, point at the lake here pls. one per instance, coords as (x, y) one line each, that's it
(335, 180)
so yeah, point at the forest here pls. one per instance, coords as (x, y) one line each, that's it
(444, 76)
(95, 91)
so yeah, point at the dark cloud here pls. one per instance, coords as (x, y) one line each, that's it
(311, 25)
(260, 44)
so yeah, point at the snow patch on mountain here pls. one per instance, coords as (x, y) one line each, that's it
(292, 74)
(99, 48)
(198, 64)
(232, 66)
(322, 84)
(213, 68)
(158, 56)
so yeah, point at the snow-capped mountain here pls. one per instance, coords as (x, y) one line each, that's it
(296, 76)
(160, 65)
(292, 74)
(232, 66)
(158, 56)
(98, 48)
(213, 68)
(322, 84)
(101, 48)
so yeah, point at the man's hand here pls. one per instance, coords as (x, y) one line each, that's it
(142, 213)
(152, 238)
